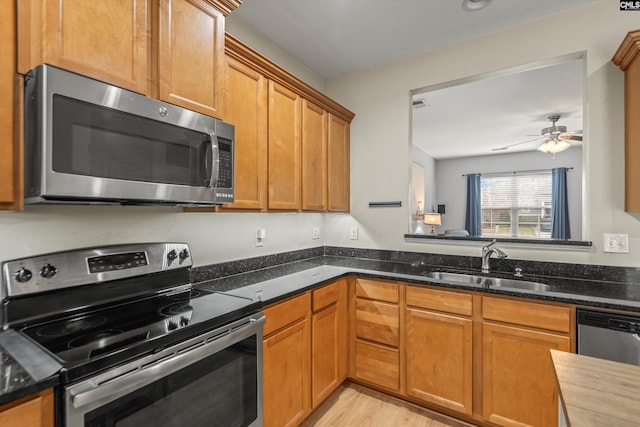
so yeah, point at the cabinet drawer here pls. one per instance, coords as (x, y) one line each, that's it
(378, 365)
(285, 313)
(372, 289)
(326, 295)
(450, 302)
(377, 321)
(550, 317)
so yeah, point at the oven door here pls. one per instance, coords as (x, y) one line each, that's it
(212, 379)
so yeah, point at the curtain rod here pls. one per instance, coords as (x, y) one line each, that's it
(515, 172)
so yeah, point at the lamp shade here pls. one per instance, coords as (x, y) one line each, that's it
(432, 219)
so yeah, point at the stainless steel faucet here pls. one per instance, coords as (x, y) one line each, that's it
(487, 250)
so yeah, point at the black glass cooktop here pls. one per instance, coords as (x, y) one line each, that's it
(102, 338)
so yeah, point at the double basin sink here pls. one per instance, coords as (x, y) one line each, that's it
(488, 282)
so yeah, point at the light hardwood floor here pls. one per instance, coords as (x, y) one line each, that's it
(353, 405)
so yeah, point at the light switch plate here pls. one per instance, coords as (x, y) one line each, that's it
(353, 233)
(616, 243)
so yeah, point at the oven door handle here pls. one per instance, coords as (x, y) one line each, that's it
(122, 385)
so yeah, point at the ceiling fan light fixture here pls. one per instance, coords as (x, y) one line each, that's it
(553, 146)
(473, 5)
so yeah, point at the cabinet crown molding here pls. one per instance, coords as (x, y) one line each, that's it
(234, 48)
(225, 6)
(628, 50)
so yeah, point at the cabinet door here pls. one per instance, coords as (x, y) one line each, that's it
(439, 354)
(104, 39)
(9, 161)
(314, 154)
(191, 55)
(247, 110)
(33, 411)
(325, 348)
(284, 148)
(328, 340)
(338, 165)
(518, 383)
(287, 384)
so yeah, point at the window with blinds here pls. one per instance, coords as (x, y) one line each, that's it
(516, 205)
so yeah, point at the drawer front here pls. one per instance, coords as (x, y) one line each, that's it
(377, 321)
(325, 296)
(550, 317)
(284, 313)
(378, 365)
(373, 289)
(433, 299)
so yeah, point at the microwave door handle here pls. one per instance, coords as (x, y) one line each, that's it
(215, 160)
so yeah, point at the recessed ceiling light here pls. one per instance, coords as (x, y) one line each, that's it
(472, 5)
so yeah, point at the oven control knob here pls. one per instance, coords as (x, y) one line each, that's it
(23, 275)
(184, 254)
(48, 271)
(172, 325)
(172, 254)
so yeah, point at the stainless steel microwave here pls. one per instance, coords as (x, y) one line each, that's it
(89, 142)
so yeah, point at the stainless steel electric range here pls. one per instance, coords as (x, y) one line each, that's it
(138, 344)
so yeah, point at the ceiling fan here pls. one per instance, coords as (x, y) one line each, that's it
(555, 138)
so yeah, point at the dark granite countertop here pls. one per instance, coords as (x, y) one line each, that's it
(273, 284)
(24, 368)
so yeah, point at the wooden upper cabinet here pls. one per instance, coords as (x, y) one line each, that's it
(104, 39)
(247, 110)
(628, 59)
(338, 165)
(314, 155)
(10, 170)
(284, 148)
(191, 55)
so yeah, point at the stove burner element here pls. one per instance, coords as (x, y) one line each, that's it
(93, 337)
(177, 308)
(71, 326)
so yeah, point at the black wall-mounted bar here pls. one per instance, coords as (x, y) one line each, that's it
(385, 204)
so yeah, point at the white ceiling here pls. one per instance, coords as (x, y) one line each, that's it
(475, 118)
(334, 37)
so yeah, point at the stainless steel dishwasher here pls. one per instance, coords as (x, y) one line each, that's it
(609, 336)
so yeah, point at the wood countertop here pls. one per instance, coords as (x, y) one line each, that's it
(596, 392)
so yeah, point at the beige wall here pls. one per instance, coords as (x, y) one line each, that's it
(380, 97)
(380, 142)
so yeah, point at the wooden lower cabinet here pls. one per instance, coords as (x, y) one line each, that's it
(286, 364)
(329, 340)
(32, 411)
(483, 358)
(375, 333)
(518, 384)
(439, 358)
(305, 353)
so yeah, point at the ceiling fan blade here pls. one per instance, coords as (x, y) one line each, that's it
(506, 147)
(570, 136)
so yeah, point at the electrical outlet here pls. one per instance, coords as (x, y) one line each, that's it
(618, 243)
(315, 233)
(353, 233)
(261, 234)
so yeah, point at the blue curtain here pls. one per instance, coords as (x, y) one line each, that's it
(473, 220)
(559, 205)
